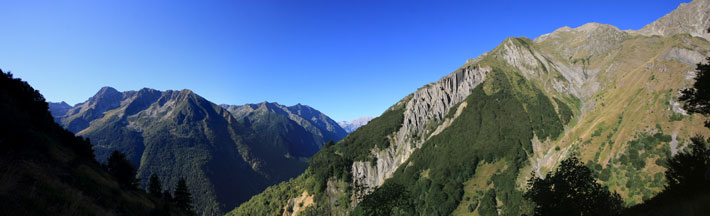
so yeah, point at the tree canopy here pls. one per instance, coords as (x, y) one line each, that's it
(572, 190)
(697, 98)
(688, 171)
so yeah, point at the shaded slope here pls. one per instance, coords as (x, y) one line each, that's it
(225, 157)
(46, 170)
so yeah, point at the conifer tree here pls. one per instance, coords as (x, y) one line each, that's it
(122, 169)
(154, 186)
(182, 196)
(167, 196)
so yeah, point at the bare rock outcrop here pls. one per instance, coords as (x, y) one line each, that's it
(689, 18)
(428, 105)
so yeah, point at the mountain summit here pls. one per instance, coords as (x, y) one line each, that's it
(225, 153)
(468, 143)
(689, 18)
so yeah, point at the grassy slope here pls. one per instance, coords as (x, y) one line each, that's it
(633, 107)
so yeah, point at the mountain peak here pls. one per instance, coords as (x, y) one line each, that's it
(587, 30)
(689, 18)
(593, 26)
(107, 90)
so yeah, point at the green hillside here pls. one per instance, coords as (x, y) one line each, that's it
(606, 95)
(225, 153)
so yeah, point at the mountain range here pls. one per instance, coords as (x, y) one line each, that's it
(226, 153)
(350, 126)
(467, 143)
(47, 170)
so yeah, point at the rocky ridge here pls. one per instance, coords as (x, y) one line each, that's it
(689, 18)
(567, 52)
(424, 110)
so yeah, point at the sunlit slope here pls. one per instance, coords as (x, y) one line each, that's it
(620, 97)
(467, 144)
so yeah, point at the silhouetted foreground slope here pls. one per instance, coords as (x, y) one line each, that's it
(47, 170)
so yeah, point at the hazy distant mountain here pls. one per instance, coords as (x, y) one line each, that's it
(353, 125)
(225, 155)
(467, 143)
(58, 109)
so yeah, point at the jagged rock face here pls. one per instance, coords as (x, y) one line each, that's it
(689, 18)
(424, 111)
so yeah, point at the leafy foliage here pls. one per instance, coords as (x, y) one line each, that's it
(628, 171)
(572, 190)
(697, 98)
(689, 171)
(488, 204)
(326, 164)
(389, 199)
(688, 190)
(564, 111)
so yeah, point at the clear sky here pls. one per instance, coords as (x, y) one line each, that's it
(345, 58)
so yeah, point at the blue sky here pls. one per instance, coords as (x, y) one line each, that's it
(346, 58)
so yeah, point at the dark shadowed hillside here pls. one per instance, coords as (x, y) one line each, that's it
(47, 170)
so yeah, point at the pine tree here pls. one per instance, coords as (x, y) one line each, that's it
(167, 196)
(122, 169)
(182, 197)
(154, 186)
